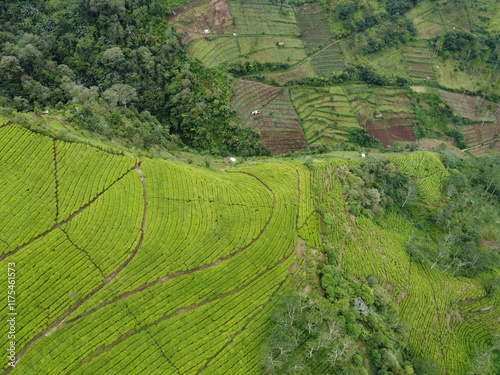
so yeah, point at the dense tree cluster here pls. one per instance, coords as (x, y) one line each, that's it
(470, 48)
(376, 186)
(109, 59)
(357, 320)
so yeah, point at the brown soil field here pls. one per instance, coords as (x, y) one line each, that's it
(393, 135)
(191, 20)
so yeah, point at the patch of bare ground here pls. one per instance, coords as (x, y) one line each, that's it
(419, 88)
(455, 315)
(435, 145)
(393, 135)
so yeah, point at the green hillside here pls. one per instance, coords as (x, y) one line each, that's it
(138, 265)
(244, 187)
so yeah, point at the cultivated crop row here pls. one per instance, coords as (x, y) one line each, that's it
(214, 51)
(277, 122)
(314, 26)
(28, 199)
(47, 270)
(83, 172)
(225, 286)
(328, 61)
(259, 17)
(325, 113)
(98, 230)
(419, 61)
(428, 172)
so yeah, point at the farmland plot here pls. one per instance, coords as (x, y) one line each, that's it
(314, 26)
(472, 107)
(278, 123)
(396, 123)
(328, 61)
(419, 61)
(325, 114)
(257, 17)
(192, 20)
(435, 18)
(216, 31)
(162, 269)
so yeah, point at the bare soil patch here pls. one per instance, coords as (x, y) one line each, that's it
(393, 135)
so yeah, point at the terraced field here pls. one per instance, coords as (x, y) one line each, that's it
(192, 20)
(256, 17)
(451, 314)
(218, 31)
(396, 123)
(278, 123)
(136, 259)
(314, 26)
(328, 61)
(419, 60)
(435, 18)
(325, 114)
(472, 107)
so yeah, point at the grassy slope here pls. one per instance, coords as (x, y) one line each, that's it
(173, 269)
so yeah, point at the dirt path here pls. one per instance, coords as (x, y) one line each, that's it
(59, 322)
(175, 275)
(181, 311)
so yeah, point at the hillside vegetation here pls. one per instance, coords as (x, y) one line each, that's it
(141, 245)
(129, 264)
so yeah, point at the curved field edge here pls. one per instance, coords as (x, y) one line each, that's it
(76, 260)
(207, 285)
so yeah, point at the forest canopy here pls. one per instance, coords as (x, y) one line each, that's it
(117, 67)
